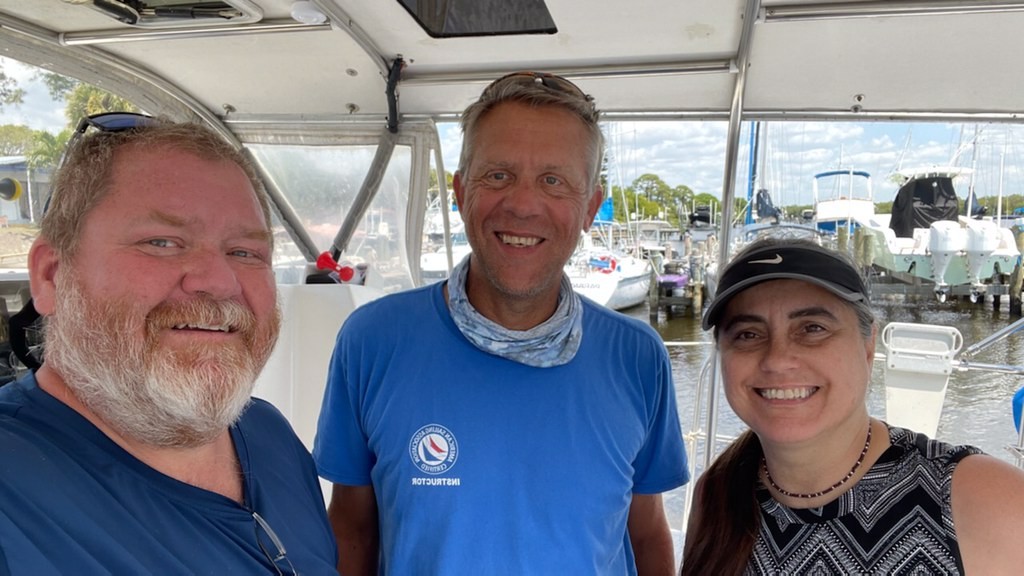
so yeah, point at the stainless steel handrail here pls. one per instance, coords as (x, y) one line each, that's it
(991, 339)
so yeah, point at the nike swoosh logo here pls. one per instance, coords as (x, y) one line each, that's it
(776, 260)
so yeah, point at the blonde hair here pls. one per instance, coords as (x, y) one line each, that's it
(536, 92)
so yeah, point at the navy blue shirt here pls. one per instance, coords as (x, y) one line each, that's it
(74, 502)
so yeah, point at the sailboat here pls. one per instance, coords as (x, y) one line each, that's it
(608, 276)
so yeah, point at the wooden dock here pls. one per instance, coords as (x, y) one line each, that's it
(668, 295)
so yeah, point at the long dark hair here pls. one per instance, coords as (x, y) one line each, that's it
(727, 511)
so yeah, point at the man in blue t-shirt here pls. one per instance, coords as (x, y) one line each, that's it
(135, 448)
(499, 423)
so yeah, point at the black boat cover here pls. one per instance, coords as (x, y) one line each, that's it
(921, 201)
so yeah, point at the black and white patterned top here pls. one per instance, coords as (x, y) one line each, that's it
(896, 520)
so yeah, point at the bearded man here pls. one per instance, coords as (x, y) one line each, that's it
(136, 448)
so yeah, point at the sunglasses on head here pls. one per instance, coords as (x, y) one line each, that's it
(114, 122)
(549, 81)
(104, 122)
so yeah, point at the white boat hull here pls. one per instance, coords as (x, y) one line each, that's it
(624, 287)
(832, 215)
(971, 253)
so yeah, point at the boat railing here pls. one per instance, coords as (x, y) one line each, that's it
(966, 363)
(698, 434)
(997, 336)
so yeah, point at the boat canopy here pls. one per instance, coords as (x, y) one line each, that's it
(860, 173)
(922, 201)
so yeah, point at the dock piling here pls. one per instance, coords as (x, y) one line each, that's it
(1017, 277)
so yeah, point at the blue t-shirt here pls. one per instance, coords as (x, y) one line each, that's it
(74, 502)
(482, 465)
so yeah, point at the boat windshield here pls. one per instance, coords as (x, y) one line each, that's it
(322, 183)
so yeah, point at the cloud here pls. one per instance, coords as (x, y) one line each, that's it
(693, 154)
(451, 144)
(39, 111)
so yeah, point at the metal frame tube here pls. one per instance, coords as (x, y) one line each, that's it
(728, 193)
(882, 8)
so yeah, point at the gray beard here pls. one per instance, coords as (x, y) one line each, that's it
(156, 396)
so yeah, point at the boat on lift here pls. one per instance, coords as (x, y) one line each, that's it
(926, 241)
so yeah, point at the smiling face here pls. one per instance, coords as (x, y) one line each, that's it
(525, 197)
(165, 315)
(794, 361)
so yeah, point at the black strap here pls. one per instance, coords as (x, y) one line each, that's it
(19, 325)
(391, 91)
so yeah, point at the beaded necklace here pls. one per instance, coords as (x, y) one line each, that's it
(856, 465)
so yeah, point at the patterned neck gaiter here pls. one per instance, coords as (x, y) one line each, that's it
(552, 343)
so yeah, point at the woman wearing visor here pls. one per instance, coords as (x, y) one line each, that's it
(816, 485)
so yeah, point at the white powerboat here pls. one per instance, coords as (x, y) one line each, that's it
(926, 241)
(848, 202)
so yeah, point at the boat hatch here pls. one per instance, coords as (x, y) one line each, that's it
(176, 13)
(452, 18)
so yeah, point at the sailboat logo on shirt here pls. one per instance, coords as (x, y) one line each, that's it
(433, 449)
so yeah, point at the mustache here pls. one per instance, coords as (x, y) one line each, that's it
(225, 314)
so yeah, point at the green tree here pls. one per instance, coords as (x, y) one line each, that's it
(705, 199)
(683, 194)
(1010, 202)
(59, 86)
(433, 190)
(681, 198)
(15, 140)
(630, 206)
(709, 200)
(86, 100)
(10, 93)
(739, 209)
(652, 187)
(448, 177)
(80, 100)
(670, 202)
(47, 149)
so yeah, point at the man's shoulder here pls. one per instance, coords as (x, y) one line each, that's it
(30, 445)
(19, 413)
(13, 393)
(262, 414)
(399, 307)
(264, 424)
(398, 300)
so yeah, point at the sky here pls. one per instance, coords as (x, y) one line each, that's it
(693, 153)
(38, 111)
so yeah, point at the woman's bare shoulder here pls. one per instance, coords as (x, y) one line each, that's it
(988, 505)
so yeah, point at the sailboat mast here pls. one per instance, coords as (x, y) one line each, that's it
(755, 139)
(969, 205)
